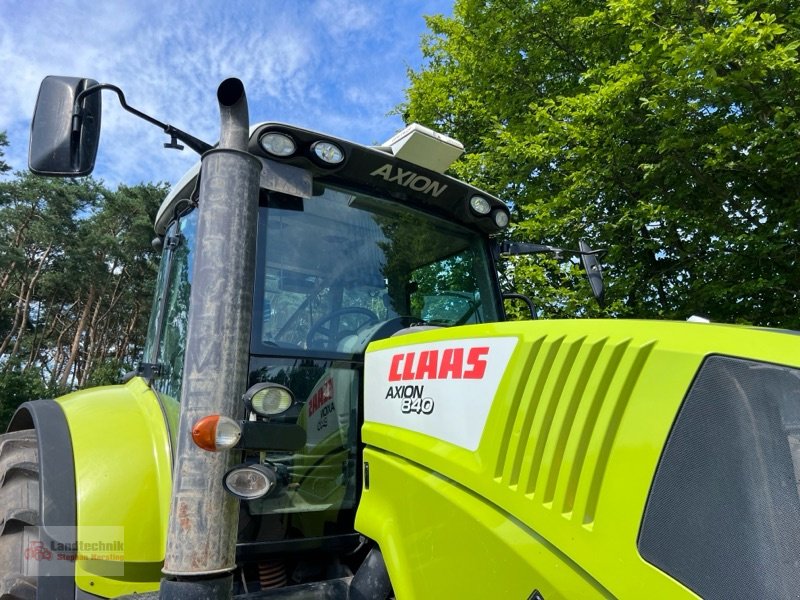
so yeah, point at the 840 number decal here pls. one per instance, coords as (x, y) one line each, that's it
(418, 406)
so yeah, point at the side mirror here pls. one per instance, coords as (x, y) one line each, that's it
(594, 272)
(65, 134)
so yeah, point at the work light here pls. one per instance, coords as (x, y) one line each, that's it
(249, 482)
(501, 218)
(480, 205)
(277, 144)
(328, 152)
(268, 399)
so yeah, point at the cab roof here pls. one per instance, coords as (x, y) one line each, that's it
(408, 168)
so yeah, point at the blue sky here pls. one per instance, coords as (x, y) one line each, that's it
(336, 66)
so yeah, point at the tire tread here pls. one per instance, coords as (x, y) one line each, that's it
(19, 508)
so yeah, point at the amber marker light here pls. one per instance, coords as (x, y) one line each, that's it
(215, 432)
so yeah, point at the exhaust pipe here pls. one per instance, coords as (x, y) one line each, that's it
(201, 537)
(234, 117)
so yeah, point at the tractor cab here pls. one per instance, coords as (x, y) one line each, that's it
(347, 253)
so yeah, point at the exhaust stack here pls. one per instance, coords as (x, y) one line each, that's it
(201, 539)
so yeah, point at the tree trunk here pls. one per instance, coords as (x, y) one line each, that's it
(17, 319)
(23, 306)
(122, 347)
(58, 356)
(76, 340)
(91, 342)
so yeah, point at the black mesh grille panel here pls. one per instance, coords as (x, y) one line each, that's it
(723, 516)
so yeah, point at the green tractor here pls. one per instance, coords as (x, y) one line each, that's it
(331, 405)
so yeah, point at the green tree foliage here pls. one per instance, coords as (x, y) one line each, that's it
(666, 131)
(76, 280)
(16, 387)
(4, 167)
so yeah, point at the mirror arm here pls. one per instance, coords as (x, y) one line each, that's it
(589, 260)
(175, 134)
(525, 299)
(515, 248)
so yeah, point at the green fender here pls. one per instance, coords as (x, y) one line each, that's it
(123, 478)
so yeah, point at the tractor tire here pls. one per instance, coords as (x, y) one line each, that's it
(19, 508)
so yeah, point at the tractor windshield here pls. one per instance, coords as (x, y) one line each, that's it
(340, 268)
(335, 272)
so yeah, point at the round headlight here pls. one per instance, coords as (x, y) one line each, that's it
(249, 482)
(277, 144)
(267, 399)
(501, 218)
(328, 152)
(480, 205)
(215, 432)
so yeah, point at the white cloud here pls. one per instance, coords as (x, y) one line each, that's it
(332, 65)
(339, 17)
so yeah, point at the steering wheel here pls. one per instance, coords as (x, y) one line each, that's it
(332, 337)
